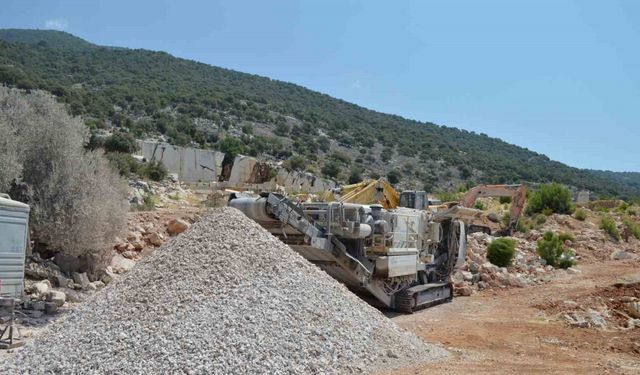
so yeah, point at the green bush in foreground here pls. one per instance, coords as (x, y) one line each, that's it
(564, 236)
(504, 200)
(632, 228)
(608, 225)
(521, 226)
(447, 196)
(121, 142)
(551, 250)
(567, 259)
(155, 171)
(148, 203)
(622, 207)
(501, 251)
(479, 206)
(550, 198)
(580, 214)
(124, 163)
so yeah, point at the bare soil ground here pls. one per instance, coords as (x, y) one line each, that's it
(522, 331)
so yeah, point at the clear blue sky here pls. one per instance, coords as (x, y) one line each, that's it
(559, 77)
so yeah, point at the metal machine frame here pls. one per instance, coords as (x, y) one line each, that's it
(402, 257)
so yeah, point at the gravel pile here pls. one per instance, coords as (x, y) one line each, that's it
(225, 297)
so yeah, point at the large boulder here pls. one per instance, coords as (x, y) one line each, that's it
(156, 239)
(130, 254)
(622, 255)
(73, 296)
(56, 297)
(177, 226)
(463, 290)
(120, 264)
(41, 287)
(63, 282)
(107, 275)
(43, 270)
(81, 279)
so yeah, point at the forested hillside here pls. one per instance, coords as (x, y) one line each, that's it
(155, 94)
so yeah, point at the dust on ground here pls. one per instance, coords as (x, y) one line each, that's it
(522, 331)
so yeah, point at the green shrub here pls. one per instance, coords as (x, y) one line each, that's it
(155, 171)
(632, 212)
(295, 163)
(540, 219)
(505, 200)
(446, 196)
(550, 248)
(506, 218)
(386, 154)
(232, 147)
(550, 198)
(331, 169)
(501, 251)
(609, 225)
(567, 259)
(632, 227)
(580, 214)
(282, 129)
(479, 206)
(247, 129)
(149, 203)
(355, 176)
(564, 236)
(121, 142)
(393, 177)
(622, 207)
(125, 164)
(340, 158)
(521, 226)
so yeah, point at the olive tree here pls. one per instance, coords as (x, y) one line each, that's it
(9, 163)
(78, 202)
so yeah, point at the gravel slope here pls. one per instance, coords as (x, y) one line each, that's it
(225, 297)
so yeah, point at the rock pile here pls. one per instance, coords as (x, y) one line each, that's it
(613, 307)
(589, 243)
(146, 230)
(478, 273)
(225, 297)
(42, 298)
(163, 192)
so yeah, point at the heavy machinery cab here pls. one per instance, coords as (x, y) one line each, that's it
(416, 199)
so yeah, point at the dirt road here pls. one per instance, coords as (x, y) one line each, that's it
(521, 331)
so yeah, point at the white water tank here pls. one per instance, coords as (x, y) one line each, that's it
(14, 230)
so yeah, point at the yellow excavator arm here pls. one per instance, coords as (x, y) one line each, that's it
(370, 192)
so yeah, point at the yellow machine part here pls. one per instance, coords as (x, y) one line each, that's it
(370, 192)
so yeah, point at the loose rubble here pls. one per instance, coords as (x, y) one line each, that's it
(225, 297)
(614, 307)
(590, 244)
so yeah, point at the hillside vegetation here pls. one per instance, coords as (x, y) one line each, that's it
(186, 102)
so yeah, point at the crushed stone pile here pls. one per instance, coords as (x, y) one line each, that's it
(225, 297)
